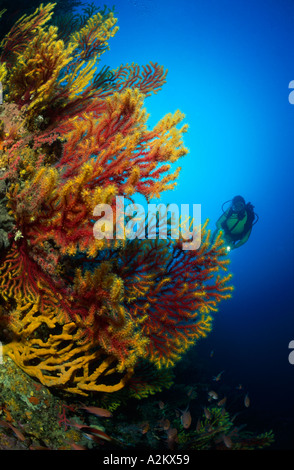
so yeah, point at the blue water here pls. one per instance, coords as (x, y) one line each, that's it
(230, 64)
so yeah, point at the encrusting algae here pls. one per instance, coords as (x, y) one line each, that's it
(79, 313)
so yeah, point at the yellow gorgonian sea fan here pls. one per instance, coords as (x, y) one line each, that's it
(81, 311)
(92, 39)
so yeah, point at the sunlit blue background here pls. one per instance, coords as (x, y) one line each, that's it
(229, 66)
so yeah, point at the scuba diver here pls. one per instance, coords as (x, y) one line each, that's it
(236, 223)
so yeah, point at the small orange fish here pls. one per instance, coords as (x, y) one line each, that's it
(212, 394)
(247, 400)
(75, 446)
(18, 433)
(91, 430)
(75, 425)
(186, 418)
(207, 413)
(161, 405)
(198, 426)
(222, 402)
(192, 394)
(218, 376)
(94, 410)
(166, 424)
(94, 438)
(172, 437)
(8, 416)
(227, 441)
(38, 448)
(172, 432)
(144, 427)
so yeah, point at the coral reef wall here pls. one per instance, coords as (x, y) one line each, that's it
(77, 312)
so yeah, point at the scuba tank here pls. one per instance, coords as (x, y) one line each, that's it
(252, 219)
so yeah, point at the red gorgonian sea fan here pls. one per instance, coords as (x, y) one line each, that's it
(79, 312)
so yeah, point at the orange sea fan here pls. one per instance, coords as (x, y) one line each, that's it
(80, 312)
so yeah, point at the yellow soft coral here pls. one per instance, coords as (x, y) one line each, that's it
(80, 312)
(93, 38)
(51, 351)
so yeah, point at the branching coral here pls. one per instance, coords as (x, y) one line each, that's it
(53, 352)
(64, 11)
(79, 312)
(173, 293)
